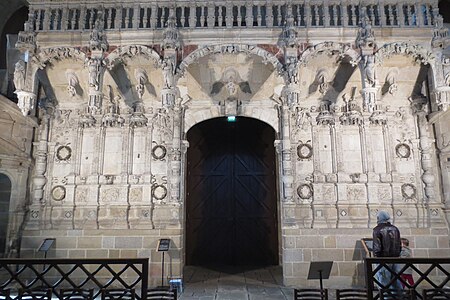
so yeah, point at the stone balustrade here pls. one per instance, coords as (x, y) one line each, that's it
(62, 16)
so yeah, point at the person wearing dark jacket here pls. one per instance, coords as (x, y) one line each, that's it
(386, 243)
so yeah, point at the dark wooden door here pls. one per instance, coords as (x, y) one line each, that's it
(231, 207)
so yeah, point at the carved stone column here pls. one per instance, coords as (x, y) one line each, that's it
(426, 145)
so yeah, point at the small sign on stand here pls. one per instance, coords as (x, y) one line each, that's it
(46, 245)
(320, 270)
(163, 246)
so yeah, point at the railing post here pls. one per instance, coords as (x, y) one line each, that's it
(136, 16)
(192, 14)
(344, 15)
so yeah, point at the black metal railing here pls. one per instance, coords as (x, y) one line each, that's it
(94, 274)
(427, 273)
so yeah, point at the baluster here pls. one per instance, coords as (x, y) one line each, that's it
(46, 20)
(219, 16)
(114, 18)
(327, 14)
(279, 16)
(210, 9)
(182, 16)
(84, 19)
(353, 10)
(119, 14)
(400, 15)
(393, 21)
(419, 16)
(383, 16)
(408, 16)
(300, 15)
(340, 15)
(308, 16)
(344, 15)
(239, 16)
(74, 21)
(259, 20)
(202, 16)
(229, 15)
(269, 15)
(316, 15)
(65, 18)
(428, 14)
(153, 16)
(144, 17)
(249, 15)
(123, 17)
(136, 16)
(192, 15)
(130, 16)
(371, 13)
(90, 18)
(37, 17)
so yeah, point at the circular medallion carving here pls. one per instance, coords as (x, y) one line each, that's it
(63, 153)
(159, 192)
(403, 150)
(305, 191)
(58, 193)
(409, 191)
(159, 152)
(304, 151)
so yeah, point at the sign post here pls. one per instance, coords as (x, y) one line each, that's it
(163, 246)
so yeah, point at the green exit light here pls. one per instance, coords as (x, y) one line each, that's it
(231, 118)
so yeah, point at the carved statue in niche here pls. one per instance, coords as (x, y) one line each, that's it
(369, 70)
(391, 81)
(168, 69)
(19, 75)
(365, 37)
(322, 79)
(292, 70)
(142, 79)
(232, 82)
(98, 37)
(72, 83)
(94, 66)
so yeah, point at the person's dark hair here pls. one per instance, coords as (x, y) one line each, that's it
(405, 242)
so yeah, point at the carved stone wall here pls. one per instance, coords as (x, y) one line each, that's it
(360, 126)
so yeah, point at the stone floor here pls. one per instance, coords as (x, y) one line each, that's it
(232, 283)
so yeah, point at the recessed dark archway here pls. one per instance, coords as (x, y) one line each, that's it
(14, 24)
(231, 199)
(5, 198)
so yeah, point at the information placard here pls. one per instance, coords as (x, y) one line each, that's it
(46, 244)
(163, 245)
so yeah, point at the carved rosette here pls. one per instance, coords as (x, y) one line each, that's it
(306, 192)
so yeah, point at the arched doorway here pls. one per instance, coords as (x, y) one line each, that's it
(231, 199)
(5, 196)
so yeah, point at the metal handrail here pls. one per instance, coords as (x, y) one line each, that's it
(427, 272)
(75, 273)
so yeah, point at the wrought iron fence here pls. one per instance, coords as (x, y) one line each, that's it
(94, 274)
(428, 273)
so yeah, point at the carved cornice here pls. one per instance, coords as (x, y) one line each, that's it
(419, 53)
(118, 55)
(229, 48)
(49, 55)
(330, 48)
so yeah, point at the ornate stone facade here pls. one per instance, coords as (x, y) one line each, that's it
(116, 89)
